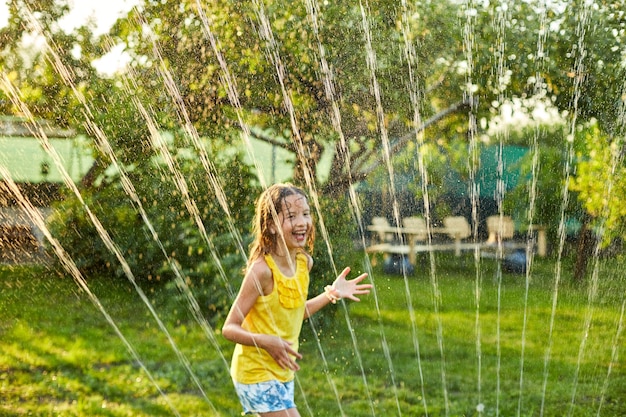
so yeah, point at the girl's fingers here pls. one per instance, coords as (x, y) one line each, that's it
(345, 272)
(360, 277)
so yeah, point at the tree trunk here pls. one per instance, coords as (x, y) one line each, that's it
(307, 162)
(92, 174)
(584, 249)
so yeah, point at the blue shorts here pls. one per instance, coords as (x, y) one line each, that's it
(266, 397)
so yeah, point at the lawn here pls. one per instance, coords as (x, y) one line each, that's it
(401, 351)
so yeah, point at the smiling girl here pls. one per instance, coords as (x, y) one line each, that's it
(266, 318)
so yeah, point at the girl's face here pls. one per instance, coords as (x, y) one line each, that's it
(296, 221)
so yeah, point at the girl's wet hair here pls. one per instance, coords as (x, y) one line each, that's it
(269, 204)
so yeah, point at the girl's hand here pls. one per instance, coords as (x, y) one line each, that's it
(350, 289)
(281, 351)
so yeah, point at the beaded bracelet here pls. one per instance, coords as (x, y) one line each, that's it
(329, 291)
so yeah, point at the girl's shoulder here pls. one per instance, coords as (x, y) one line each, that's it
(260, 270)
(260, 264)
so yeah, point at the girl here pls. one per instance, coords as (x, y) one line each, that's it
(266, 317)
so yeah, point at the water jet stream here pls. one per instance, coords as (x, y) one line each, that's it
(329, 89)
(579, 70)
(380, 114)
(416, 102)
(104, 145)
(469, 34)
(230, 85)
(500, 23)
(532, 193)
(192, 134)
(538, 90)
(159, 144)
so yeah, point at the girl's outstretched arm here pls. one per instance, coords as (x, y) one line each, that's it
(341, 288)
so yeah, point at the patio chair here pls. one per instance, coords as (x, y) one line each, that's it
(457, 227)
(381, 226)
(418, 225)
(500, 228)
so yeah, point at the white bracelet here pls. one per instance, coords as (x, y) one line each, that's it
(329, 291)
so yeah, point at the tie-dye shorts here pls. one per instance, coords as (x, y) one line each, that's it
(266, 397)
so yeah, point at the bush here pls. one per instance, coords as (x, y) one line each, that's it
(205, 258)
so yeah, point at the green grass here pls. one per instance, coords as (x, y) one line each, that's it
(60, 356)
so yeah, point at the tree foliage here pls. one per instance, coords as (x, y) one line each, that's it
(279, 75)
(601, 181)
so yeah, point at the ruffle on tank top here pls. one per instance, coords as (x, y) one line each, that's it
(289, 293)
(292, 292)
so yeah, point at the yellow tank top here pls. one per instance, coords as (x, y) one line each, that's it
(279, 313)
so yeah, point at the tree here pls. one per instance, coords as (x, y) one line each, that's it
(26, 66)
(280, 77)
(600, 182)
(176, 70)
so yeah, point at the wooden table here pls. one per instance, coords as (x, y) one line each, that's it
(419, 234)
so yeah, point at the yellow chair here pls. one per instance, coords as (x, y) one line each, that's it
(500, 228)
(418, 227)
(382, 227)
(457, 227)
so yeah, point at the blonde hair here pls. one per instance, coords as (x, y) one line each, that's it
(269, 204)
